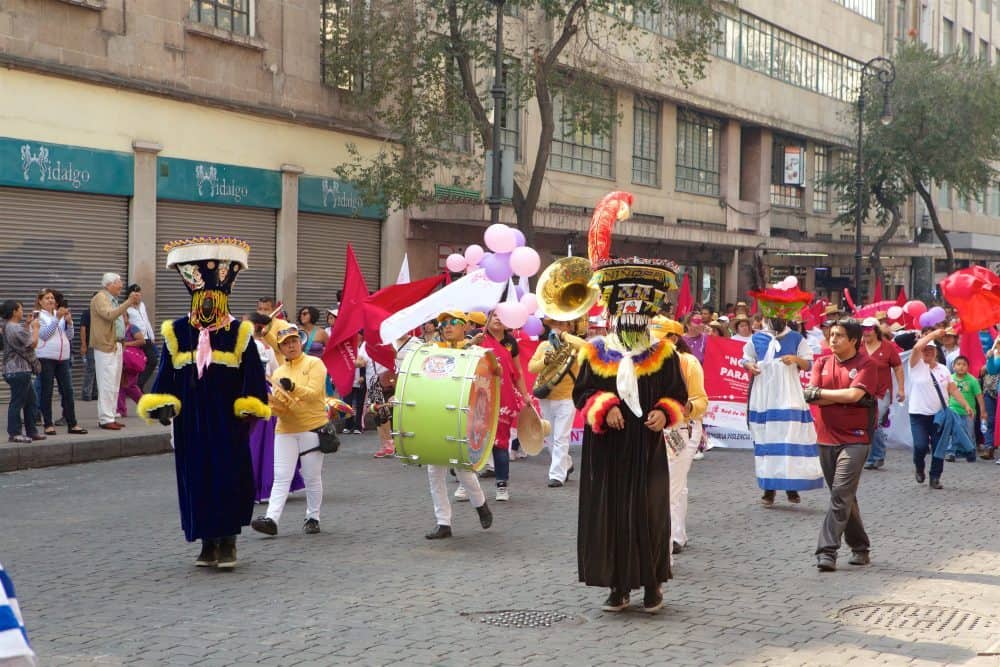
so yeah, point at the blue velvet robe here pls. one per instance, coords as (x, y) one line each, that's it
(215, 484)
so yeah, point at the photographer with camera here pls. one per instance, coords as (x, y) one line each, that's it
(299, 401)
(842, 387)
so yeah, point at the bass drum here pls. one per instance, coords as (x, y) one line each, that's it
(446, 407)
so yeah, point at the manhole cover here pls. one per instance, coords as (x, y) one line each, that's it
(929, 618)
(518, 618)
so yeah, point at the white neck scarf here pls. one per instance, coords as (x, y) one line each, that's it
(627, 381)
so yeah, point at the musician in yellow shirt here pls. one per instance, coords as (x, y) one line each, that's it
(558, 406)
(697, 403)
(299, 401)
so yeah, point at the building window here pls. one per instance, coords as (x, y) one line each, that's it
(984, 51)
(510, 120)
(821, 169)
(870, 9)
(944, 196)
(697, 153)
(963, 202)
(787, 177)
(577, 150)
(967, 44)
(337, 17)
(902, 20)
(947, 37)
(230, 15)
(995, 200)
(646, 141)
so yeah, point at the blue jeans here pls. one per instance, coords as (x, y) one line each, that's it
(59, 372)
(991, 415)
(89, 390)
(22, 400)
(925, 435)
(877, 452)
(501, 464)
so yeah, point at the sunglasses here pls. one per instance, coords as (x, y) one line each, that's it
(455, 322)
(288, 332)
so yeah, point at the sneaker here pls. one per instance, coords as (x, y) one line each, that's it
(950, 458)
(869, 466)
(485, 516)
(998, 462)
(461, 495)
(859, 558)
(879, 464)
(554, 483)
(264, 525)
(439, 533)
(793, 497)
(617, 601)
(209, 555)
(387, 452)
(355, 431)
(935, 483)
(310, 527)
(826, 563)
(503, 494)
(19, 439)
(345, 431)
(698, 456)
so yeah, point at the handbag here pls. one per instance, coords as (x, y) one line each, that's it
(133, 359)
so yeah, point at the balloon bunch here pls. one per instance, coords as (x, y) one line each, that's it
(916, 313)
(790, 282)
(509, 257)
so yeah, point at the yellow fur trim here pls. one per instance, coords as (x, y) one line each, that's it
(251, 406)
(150, 402)
(231, 359)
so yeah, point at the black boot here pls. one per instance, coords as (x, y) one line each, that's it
(768, 498)
(485, 516)
(209, 555)
(793, 497)
(439, 533)
(227, 552)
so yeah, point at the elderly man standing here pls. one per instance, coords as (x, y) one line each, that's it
(107, 330)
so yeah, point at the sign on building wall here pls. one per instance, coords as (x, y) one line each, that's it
(212, 183)
(795, 165)
(335, 197)
(34, 164)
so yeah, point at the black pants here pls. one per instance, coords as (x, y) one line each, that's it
(152, 359)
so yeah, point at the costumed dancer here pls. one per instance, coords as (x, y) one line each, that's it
(557, 404)
(211, 383)
(630, 388)
(681, 453)
(15, 651)
(784, 438)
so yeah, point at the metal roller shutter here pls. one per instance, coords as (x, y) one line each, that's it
(258, 227)
(62, 241)
(322, 251)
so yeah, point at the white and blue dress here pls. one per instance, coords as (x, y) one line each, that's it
(14, 647)
(786, 457)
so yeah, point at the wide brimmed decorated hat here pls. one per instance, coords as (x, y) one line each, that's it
(627, 285)
(784, 303)
(208, 262)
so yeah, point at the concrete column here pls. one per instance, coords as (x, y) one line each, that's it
(142, 223)
(732, 287)
(287, 244)
(394, 248)
(729, 169)
(764, 193)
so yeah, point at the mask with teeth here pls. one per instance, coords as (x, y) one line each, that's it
(631, 329)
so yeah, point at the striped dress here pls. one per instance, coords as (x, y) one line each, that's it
(786, 457)
(14, 647)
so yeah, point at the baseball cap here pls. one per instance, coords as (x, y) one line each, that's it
(869, 322)
(931, 344)
(287, 332)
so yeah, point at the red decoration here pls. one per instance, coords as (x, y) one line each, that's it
(975, 294)
(685, 302)
(613, 207)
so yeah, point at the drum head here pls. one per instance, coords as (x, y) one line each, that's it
(484, 411)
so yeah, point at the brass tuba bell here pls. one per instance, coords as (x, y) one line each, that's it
(564, 289)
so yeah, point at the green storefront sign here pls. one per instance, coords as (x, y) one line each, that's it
(211, 183)
(335, 197)
(35, 164)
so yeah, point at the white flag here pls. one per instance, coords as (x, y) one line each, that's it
(472, 292)
(404, 272)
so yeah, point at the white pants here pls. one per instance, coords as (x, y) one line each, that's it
(680, 465)
(437, 476)
(560, 414)
(108, 368)
(287, 448)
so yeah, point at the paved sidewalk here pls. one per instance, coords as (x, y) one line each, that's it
(136, 439)
(105, 578)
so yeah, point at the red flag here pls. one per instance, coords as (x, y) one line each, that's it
(685, 302)
(877, 292)
(901, 297)
(384, 303)
(341, 349)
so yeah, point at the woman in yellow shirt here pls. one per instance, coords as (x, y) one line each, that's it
(299, 402)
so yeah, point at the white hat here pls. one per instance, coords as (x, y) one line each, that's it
(869, 322)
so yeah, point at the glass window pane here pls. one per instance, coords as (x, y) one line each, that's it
(208, 12)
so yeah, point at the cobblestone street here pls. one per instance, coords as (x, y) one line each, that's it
(104, 575)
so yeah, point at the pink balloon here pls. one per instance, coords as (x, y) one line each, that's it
(513, 315)
(915, 309)
(525, 261)
(530, 302)
(894, 312)
(474, 254)
(455, 263)
(497, 267)
(500, 238)
(533, 327)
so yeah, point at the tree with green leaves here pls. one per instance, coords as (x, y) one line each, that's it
(423, 72)
(945, 130)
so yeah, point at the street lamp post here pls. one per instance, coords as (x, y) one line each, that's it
(499, 92)
(885, 71)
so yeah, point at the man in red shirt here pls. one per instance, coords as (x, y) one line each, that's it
(842, 386)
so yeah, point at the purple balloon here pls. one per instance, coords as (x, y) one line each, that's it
(519, 239)
(926, 319)
(497, 267)
(936, 315)
(519, 291)
(533, 327)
